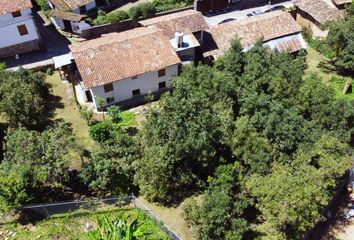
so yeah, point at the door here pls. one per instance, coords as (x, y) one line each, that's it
(67, 26)
(88, 96)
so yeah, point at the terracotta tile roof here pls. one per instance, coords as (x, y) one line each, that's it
(118, 56)
(188, 21)
(69, 4)
(9, 6)
(321, 10)
(341, 2)
(67, 15)
(267, 26)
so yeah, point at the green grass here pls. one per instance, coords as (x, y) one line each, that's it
(329, 76)
(67, 109)
(127, 119)
(80, 225)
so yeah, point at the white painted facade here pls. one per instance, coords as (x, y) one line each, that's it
(10, 34)
(122, 89)
(77, 26)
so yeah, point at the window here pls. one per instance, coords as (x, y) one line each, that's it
(16, 14)
(110, 100)
(162, 85)
(82, 9)
(136, 92)
(108, 87)
(161, 72)
(22, 29)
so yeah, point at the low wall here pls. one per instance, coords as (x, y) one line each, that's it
(20, 48)
(97, 31)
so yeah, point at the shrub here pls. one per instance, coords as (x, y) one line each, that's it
(49, 71)
(117, 16)
(142, 10)
(114, 114)
(166, 5)
(147, 9)
(102, 132)
(86, 114)
(134, 12)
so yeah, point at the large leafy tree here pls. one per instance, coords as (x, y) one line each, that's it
(44, 153)
(292, 197)
(221, 213)
(182, 139)
(22, 95)
(341, 40)
(109, 170)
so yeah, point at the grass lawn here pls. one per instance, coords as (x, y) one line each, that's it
(84, 224)
(331, 78)
(68, 110)
(173, 217)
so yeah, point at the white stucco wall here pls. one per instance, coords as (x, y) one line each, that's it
(148, 82)
(9, 34)
(58, 23)
(79, 26)
(8, 18)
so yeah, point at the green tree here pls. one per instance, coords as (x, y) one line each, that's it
(15, 189)
(292, 197)
(45, 153)
(220, 215)
(109, 170)
(182, 138)
(86, 114)
(341, 39)
(114, 113)
(22, 95)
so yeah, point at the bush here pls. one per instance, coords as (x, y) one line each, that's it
(117, 16)
(113, 17)
(114, 114)
(49, 71)
(134, 12)
(166, 5)
(142, 10)
(102, 132)
(147, 9)
(86, 114)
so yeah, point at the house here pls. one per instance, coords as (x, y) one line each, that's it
(189, 22)
(278, 30)
(340, 4)
(17, 27)
(313, 14)
(122, 67)
(70, 15)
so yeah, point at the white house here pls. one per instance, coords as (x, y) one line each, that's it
(69, 15)
(18, 32)
(122, 67)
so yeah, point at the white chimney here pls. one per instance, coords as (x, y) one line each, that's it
(179, 39)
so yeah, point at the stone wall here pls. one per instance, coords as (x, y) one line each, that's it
(20, 48)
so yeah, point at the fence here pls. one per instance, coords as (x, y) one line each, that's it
(48, 210)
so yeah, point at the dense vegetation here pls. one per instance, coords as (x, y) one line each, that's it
(263, 145)
(106, 223)
(339, 44)
(141, 10)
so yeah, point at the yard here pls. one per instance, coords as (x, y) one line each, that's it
(64, 106)
(317, 63)
(85, 224)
